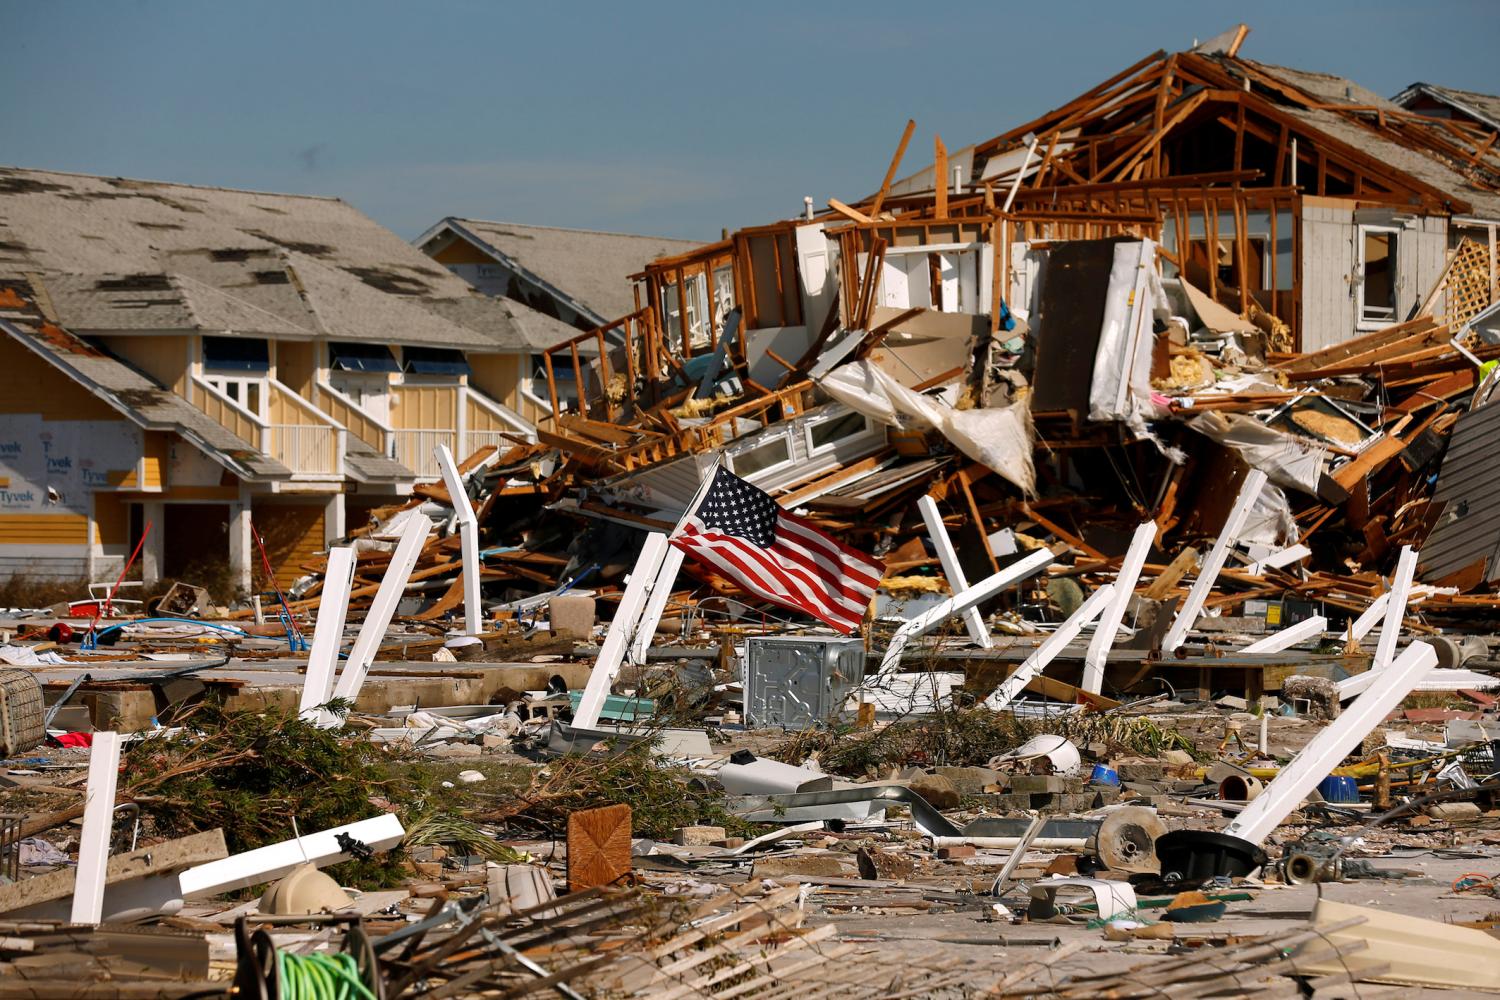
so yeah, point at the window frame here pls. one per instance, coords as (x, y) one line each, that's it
(1361, 320)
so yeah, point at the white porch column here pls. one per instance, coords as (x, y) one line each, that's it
(153, 553)
(241, 546)
(334, 521)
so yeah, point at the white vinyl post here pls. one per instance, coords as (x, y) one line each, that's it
(328, 633)
(413, 536)
(607, 666)
(1290, 636)
(656, 603)
(98, 822)
(1364, 623)
(1208, 573)
(1050, 647)
(958, 603)
(1330, 746)
(1109, 621)
(268, 863)
(468, 539)
(948, 558)
(1395, 609)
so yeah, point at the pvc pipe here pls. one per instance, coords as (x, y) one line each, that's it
(468, 538)
(1109, 622)
(1050, 647)
(948, 558)
(1250, 491)
(1329, 747)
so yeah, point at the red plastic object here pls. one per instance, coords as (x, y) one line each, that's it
(60, 632)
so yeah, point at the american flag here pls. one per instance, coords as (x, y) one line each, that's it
(743, 534)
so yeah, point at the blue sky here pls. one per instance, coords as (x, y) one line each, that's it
(676, 119)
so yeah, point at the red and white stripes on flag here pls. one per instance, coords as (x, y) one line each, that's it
(744, 535)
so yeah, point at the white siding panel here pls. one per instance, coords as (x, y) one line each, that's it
(1327, 263)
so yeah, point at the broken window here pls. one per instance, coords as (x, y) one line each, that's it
(1377, 275)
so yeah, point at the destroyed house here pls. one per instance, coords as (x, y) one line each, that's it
(1203, 264)
(248, 362)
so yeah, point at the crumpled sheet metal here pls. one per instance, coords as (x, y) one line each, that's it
(774, 808)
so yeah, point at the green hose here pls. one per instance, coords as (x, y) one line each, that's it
(320, 976)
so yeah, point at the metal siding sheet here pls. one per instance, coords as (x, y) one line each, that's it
(1469, 485)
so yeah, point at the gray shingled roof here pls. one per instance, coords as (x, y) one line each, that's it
(1485, 107)
(221, 260)
(366, 465)
(133, 394)
(591, 268)
(1424, 168)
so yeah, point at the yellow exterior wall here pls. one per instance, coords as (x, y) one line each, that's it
(497, 376)
(425, 407)
(163, 358)
(462, 252)
(111, 520)
(34, 386)
(293, 535)
(43, 529)
(296, 364)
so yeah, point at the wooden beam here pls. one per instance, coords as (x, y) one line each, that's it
(1239, 39)
(890, 173)
(939, 177)
(853, 214)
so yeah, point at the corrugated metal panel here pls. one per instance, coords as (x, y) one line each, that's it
(1469, 489)
(1327, 262)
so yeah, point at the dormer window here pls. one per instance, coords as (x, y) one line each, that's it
(354, 357)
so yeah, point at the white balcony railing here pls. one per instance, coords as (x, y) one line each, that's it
(304, 439)
(414, 449)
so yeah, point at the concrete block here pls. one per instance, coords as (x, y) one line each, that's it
(939, 792)
(1035, 784)
(798, 864)
(969, 780)
(698, 836)
(571, 615)
(1141, 770)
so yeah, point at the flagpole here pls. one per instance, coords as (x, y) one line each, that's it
(703, 487)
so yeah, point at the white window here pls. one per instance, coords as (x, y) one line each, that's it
(245, 390)
(942, 276)
(1376, 275)
(764, 457)
(825, 434)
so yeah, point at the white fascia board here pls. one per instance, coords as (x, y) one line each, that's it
(948, 559)
(1290, 636)
(656, 603)
(1395, 610)
(328, 632)
(1333, 744)
(468, 537)
(266, 864)
(1109, 621)
(98, 824)
(961, 602)
(392, 586)
(1208, 573)
(627, 614)
(1050, 647)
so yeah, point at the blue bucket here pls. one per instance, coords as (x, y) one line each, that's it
(1338, 789)
(1104, 776)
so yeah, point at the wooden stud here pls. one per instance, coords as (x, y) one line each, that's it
(939, 177)
(890, 173)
